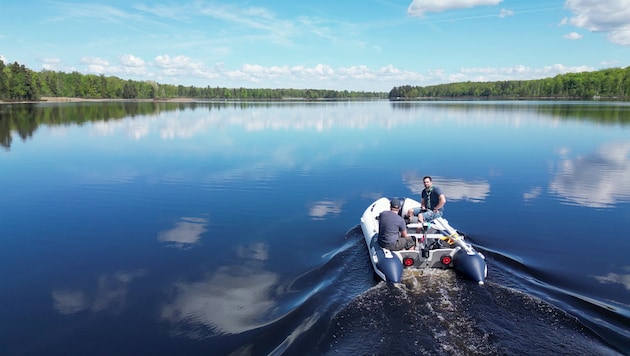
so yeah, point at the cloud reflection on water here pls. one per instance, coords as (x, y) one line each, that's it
(320, 209)
(532, 194)
(186, 232)
(187, 124)
(110, 294)
(623, 279)
(454, 189)
(233, 300)
(257, 251)
(598, 180)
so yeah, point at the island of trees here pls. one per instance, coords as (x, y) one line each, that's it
(18, 83)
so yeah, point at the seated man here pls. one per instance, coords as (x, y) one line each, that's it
(432, 202)
(392, 230)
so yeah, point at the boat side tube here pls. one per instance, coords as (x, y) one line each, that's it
(472, 266)
(466, 259)
(386, 262)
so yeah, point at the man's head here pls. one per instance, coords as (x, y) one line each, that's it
(428, 182)
(394, 204)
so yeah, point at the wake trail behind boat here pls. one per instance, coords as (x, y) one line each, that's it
(434, 311)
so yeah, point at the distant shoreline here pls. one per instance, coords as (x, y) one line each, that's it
(65, 99)
(52, 99)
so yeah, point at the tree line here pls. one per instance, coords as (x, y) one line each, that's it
(18, 83)
(611, 83)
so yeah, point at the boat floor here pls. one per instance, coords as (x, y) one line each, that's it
(428, 251)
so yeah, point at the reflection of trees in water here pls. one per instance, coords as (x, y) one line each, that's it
(12, 118)
(26, 118)
(5, 134)
(599, 112)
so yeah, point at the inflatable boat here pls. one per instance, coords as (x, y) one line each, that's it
(438, 245)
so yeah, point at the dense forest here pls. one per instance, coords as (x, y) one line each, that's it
(603, 84)
(18, 83)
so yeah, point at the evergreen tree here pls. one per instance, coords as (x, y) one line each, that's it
(129, 90)
(4, 81)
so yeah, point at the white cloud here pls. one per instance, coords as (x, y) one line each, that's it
(611, 17)
(128, 64)
(517, 72)
(165, 61)
(181, 66)
(420, 7)
(367, 78)
(130, 60)
(97, 65)
(94, 61)
(609, 63)
(505, 13)
(258, 71)
(93, 13)
(572, 36)
(49, 63)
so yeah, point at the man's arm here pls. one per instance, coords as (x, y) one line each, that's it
(441, 202)
(403, 229)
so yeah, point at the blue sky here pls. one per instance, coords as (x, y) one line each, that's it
(340, 45)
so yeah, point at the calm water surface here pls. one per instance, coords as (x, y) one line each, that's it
(232, 228)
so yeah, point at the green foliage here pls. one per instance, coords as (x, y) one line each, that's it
(21, 83)
(18, 83)
(611, 83)
(4, 81)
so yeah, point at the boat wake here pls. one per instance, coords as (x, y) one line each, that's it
(341, 307)
(439, 312)
(434, 312)
(602, 317)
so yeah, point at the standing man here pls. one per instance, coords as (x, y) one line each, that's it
(431, 204)
(392, 230)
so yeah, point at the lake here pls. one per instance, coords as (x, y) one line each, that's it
(233, 228)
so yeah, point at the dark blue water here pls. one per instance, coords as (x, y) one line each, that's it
(210, 228)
